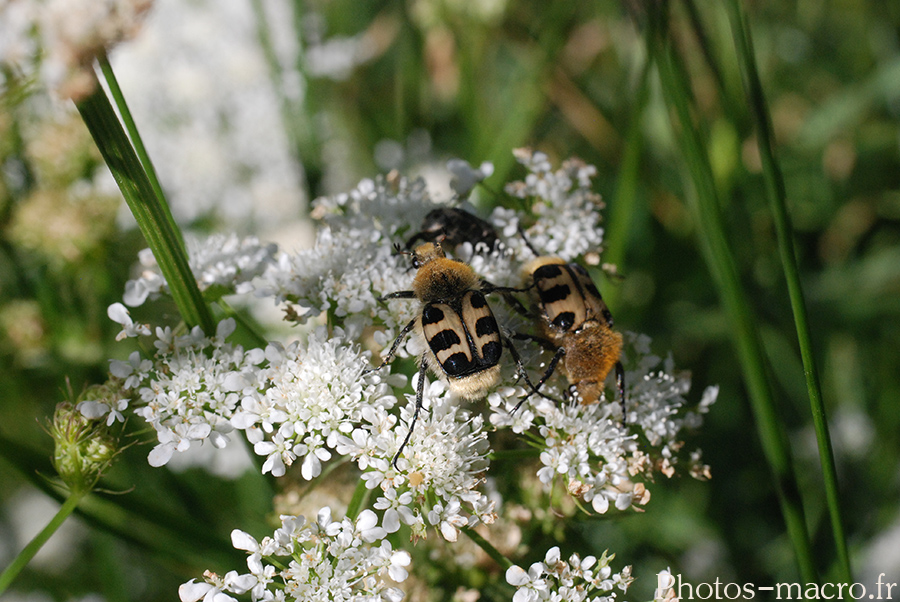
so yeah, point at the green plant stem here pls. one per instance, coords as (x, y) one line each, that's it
(705, 206)
(359, 499)
(775, 190)
(152, 217)
(25, 556)
(136, 140)
(485, 545)
(729, 99)
(163, 532)
(624, 205)
(300, 137)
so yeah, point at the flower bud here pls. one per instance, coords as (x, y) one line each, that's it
(84, 448)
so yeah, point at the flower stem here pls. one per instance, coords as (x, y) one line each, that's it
(358, 501)
(149, 211)
(252, 331)
(297, 126)
(705, 206)
(25, 556)
(485, 545)
(775, 190)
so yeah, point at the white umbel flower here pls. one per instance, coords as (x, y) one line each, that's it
(348, 559)
(224, 262)
(574, 580)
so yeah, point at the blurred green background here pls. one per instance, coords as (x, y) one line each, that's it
(363, 87)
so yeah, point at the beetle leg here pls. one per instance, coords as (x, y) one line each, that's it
(560, 351)
(545, 343)
(620, 384)
(420, 391)
(398, 295)
(394, 347)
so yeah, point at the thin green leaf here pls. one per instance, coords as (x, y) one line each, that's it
(775, 191)
(136, 140)
(624, 205)
(717, 251)
(150, 213)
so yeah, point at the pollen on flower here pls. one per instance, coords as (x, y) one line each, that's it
(416, 479)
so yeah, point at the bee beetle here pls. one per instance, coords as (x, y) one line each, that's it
(463, 340)
(576, 324)
(453, 226)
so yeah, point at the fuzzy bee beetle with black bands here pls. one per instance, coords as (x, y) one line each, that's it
(575, 323)
(575, 319)
(463, 340)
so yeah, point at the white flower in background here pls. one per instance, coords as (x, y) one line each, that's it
(305, 561)
(575, 580)
(465, 177)
(68, 35)
(222, 262)
(198, 83)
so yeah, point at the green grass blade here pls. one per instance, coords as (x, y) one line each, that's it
(116, 91)
(624, 204)
(149, 212)
(704, 205)
(775, 190)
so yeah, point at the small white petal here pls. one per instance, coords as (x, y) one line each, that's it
(161, 454)
(234, 382)
(244, 541)
(119, 313)
(391, 522)
(225, 328)
(449, 532)
(193, 590)
(516, 575)
(93, 409)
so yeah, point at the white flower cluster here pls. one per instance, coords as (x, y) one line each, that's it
(443, 462)
(68, 34)
(567, 210)
(292, 402)
(576, 580)
(353, 261)
(308, 402)
(303, 403)
(222, 264)
(328, 559)
(592, 453)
